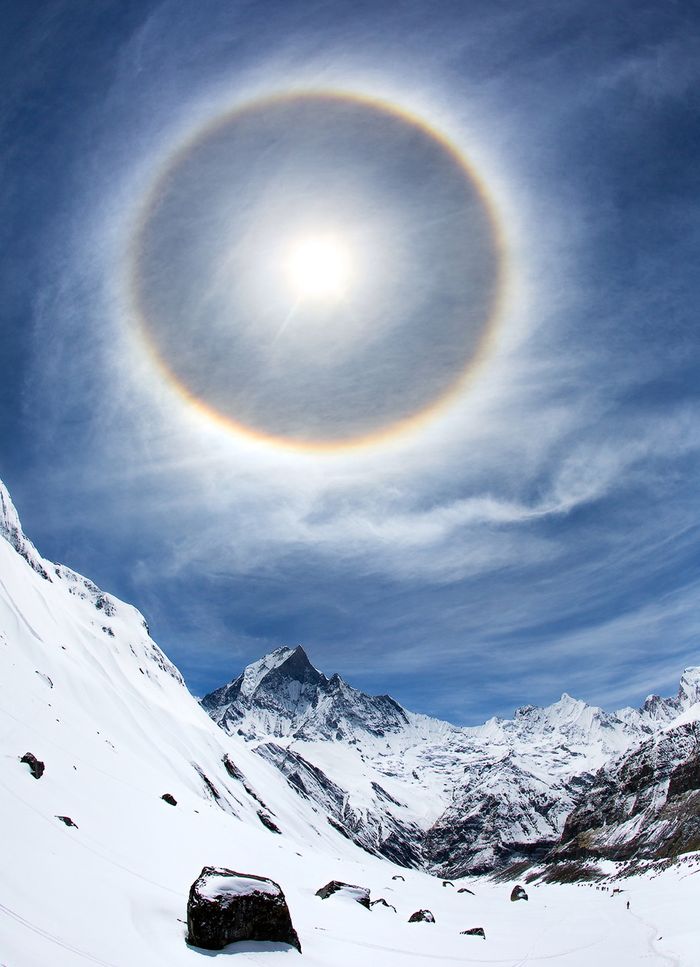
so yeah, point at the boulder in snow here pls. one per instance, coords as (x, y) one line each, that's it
(360, 894)
(67, 820)
(421, 916)
(474, 932)
(169, 798)
(518, 893)
(36, 766)
(463, 889)
(225, 906)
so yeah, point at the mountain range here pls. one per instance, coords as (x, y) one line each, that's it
(452, 800)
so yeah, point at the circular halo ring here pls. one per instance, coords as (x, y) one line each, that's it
(396, 428)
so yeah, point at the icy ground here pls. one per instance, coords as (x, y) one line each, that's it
(83, 687)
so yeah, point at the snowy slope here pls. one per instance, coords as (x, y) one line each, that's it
(85, 689)
(420, 791)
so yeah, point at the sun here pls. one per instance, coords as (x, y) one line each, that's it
(318, 267)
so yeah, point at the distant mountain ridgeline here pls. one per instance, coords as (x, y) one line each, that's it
(556, 784)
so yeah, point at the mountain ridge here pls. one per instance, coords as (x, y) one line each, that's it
(457, 799)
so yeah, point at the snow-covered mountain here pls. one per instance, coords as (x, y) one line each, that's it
(642, 805)
(422, 791)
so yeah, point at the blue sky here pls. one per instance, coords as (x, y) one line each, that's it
(541, 533)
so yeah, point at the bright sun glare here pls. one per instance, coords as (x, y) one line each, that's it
(318, 267)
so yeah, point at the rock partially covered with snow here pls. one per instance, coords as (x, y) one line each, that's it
(225, 906)
(360, 894)
(36, 766)
(421, 916)
(518, 893)
(382, 903)
(474, 932)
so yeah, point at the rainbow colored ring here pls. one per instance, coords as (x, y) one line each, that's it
(394, 429)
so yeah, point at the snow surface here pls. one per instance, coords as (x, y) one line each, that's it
(117, 729)
(217, 886)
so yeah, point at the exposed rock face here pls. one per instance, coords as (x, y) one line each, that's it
(36, 766)
(643, 805)
(381, 833)
(421, 916)
(360, 894)
(684, 778)
(518, 893)
(383, 903)
(571, 872)
(474, 932)
(501, 814)
(225, 906)
(169, 798)
(268, 822)
(67, 820)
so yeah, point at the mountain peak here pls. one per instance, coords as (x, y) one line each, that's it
(254, 673)
(296, 665)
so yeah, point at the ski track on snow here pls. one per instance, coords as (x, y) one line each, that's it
(651, 942)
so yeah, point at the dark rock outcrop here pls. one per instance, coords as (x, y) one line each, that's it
(268, 822)
(235, 773)
(67, 820)
(360, 894)
(211, 788)
(684, 778)
(463, 889)
(569, 872)
(225, 907)
(447, 883)
(421, 916)
(169, 798)
(518, 893)
(233, 769)
(399, 877)
(382, 902)
(36, 766)
(474, 932)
